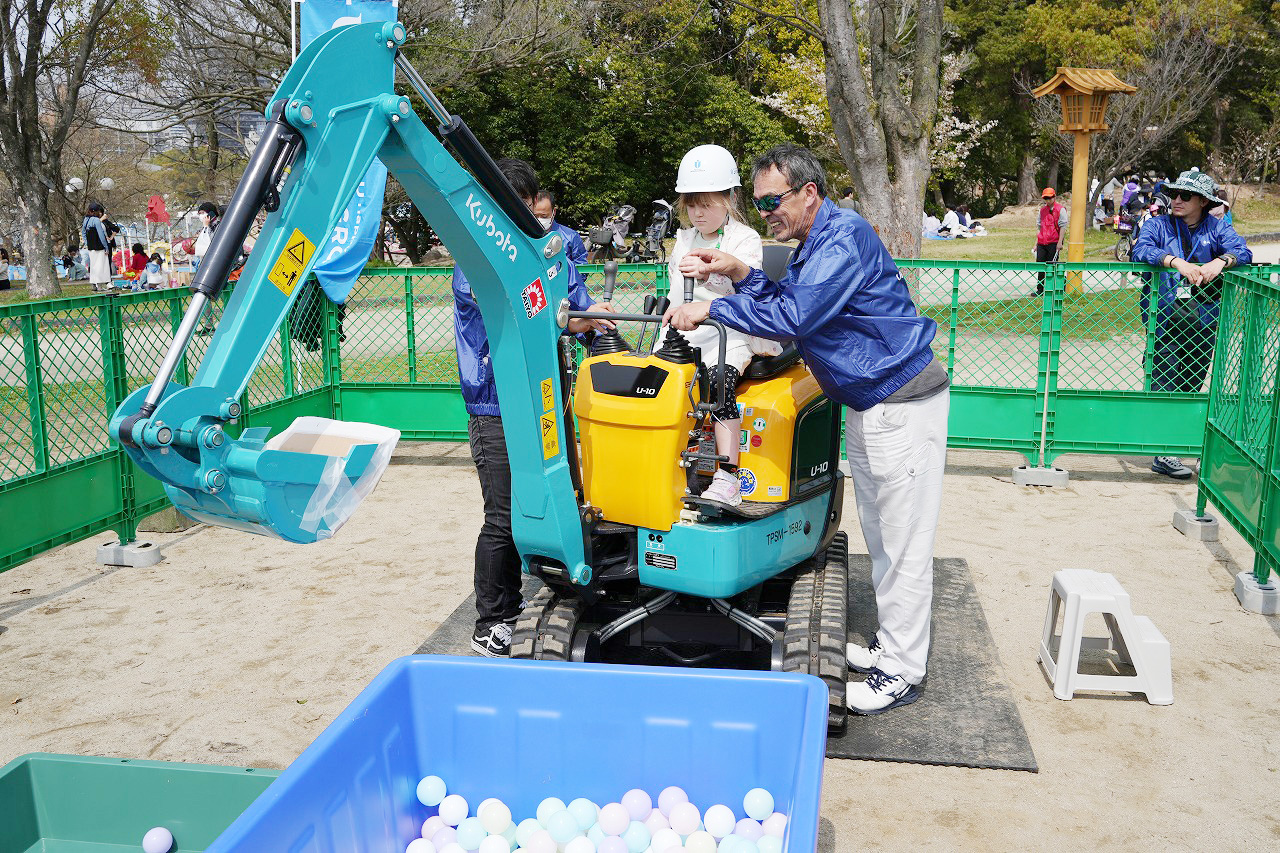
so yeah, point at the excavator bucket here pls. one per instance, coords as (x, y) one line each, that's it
(301, 486)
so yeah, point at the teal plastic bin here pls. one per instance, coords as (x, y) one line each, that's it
(63, 803)
(526, 730)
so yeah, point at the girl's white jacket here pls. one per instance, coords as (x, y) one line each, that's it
(741, 241)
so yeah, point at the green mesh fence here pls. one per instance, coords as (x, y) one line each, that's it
(1238, 470)
(1044, 360)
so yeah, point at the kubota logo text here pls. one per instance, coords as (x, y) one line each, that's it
(501, 239)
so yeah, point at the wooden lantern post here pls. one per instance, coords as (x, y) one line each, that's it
(1084, 93)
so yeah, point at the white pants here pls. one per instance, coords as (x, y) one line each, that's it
(897, 452)
(99, 267)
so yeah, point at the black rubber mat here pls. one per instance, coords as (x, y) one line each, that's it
(966, 715)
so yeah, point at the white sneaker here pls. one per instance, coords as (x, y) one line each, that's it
(863, 659)
(724, 489)
(879, 693)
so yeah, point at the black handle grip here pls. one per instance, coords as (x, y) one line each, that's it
(661, 306)
(610, 279)
(649, 302)
(688, 289)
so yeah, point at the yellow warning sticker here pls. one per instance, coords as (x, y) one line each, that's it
(287, 270)
(550, 436)
(548, 394)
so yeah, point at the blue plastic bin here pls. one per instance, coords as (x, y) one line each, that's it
(526, 730)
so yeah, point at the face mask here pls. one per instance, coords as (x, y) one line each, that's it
(545, 221)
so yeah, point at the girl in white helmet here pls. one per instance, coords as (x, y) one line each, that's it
(708, 184)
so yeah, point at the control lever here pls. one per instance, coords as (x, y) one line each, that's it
(610, 341)
(688, 289)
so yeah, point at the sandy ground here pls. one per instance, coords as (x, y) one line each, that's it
(240, 650)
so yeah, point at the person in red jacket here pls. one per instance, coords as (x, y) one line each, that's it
(1053, 228)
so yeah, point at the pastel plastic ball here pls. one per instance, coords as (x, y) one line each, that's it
(669, 798)
(730, 844)
(580, 845)
(157, 840)
(454, 809)
(446, 836)
(420, 845)
(596, 835)
(614, 819)
(748, 829)
(471, 833)
(432, 825)
(541, 842)
(638, 803)
(664, 840)
(612, 844)
(775, 825)
(431, 790)
(719, 821)
(758, 804)
(637, 836)
(563, 826)
(495, 816)
(526, 829)
(494, 844)
(769, 844)
(655, 821)
(584, 812)
(548, 807)
(453, 847)
(700, 842)
(685, 818)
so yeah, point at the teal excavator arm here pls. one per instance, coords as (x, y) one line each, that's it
(334, 112)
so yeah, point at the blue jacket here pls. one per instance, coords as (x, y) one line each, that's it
(1162, 236)
(573, 246)
(845, 305)
(472, 341)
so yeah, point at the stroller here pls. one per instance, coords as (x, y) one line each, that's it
(652, 250)
(609, 240)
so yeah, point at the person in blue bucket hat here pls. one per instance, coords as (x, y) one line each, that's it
(1195, 247)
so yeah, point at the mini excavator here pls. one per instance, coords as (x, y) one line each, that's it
(608, 452)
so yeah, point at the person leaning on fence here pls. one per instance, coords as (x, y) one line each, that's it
(849, 311)
(1196, 247)
(1049, 235)
(497, 566)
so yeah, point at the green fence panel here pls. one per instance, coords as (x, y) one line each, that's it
(1240, 468)
(1104, 401)
(990, 328)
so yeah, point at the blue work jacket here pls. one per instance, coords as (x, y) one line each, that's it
(1211, 238)
(573, 246)
(845, 305)
(475, 372)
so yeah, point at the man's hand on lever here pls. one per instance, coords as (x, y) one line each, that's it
(700, 263)
(686, 317)
(581, 325)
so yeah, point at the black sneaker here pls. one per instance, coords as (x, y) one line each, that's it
(493, 643)
(1170, 466)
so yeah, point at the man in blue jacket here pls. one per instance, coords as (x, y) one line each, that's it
(1197, 247)
(544, 207)
(497, 569)
(849, 311)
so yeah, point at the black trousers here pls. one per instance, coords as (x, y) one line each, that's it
(497, 573)
(1044, 255)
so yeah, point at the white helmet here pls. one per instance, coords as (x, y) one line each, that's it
(707, 169)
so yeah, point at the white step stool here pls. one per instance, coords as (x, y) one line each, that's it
(1136, 638)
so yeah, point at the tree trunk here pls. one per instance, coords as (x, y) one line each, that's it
(37, 241)
(1220, 106)
(1051, 177)
(1027, 179)
(211, 169)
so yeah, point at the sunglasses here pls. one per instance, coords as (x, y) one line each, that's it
(770, 203)
(1183, 195)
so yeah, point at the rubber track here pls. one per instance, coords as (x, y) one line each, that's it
(545, 628)
(815, 632)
